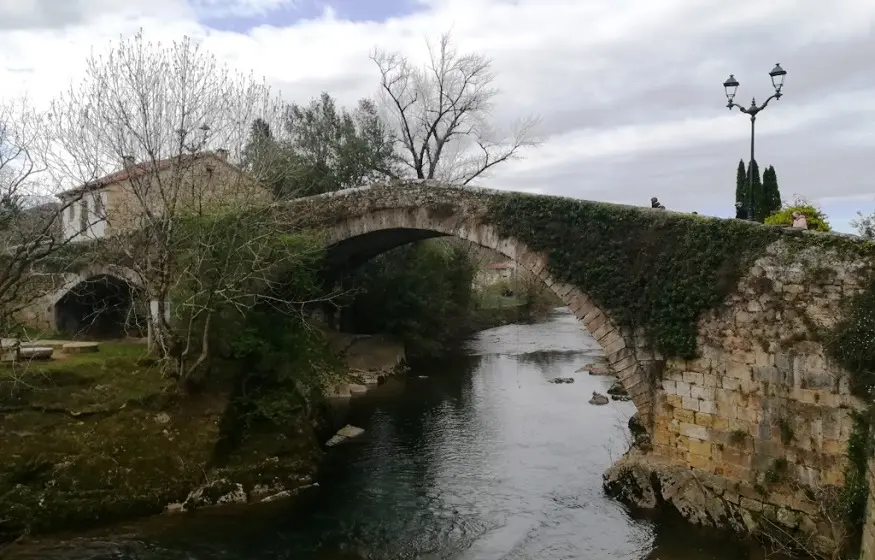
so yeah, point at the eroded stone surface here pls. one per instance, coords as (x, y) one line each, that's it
(80, 347)
(703, 498)
(763, 401)
(35, 353)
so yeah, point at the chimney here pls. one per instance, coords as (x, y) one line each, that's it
(222, 154)
(128, 161)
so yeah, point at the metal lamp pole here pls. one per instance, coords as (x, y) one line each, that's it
(731, 86)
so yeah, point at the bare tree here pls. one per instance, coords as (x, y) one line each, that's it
(153, 133)
(29, 217)
(442, 112)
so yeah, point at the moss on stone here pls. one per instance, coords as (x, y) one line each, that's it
(650, 269)
(852, 342)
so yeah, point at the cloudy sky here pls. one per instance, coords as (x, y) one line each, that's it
(629, 91)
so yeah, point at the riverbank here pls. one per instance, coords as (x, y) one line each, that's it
(94, 438)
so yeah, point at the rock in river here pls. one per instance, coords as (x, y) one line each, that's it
(617, 389)
(562, 380)
(343, 434)
(597, 368)
(357, 389)
(214, 493)
(598, 399)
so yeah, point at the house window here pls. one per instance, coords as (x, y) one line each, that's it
(83, 215)
(71, 213)
(98, 207)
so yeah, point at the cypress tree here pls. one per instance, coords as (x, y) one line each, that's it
(758, 202)
(741, 184)
(776, 192)
(771, 193)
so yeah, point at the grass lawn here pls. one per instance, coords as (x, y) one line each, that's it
(90, 438)
(495, 300)
(93, 436)
(116, 374)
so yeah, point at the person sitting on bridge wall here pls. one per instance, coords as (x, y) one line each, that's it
(799, 220)
(654, 203)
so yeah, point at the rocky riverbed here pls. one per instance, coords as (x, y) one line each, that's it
(369, 360)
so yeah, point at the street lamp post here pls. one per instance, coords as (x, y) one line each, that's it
(731, 86)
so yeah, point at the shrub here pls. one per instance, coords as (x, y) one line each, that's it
(420, 293)
(817, 220)
(865, 225)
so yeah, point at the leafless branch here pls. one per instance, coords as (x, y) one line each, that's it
(441, 114)
(29, 218)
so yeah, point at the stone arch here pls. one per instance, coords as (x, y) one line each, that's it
(365, 236)
(98, 302)
(122, 273)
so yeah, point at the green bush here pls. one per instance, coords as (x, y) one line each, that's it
(852, 341)
(276, 366)
(420, 293)
(855, 492)
(817, 220)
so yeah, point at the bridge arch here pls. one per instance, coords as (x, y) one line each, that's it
(98, 302)
(355, 240)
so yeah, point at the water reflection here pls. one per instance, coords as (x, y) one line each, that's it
(478, 459)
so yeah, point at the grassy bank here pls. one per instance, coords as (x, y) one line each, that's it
(521, 300)
(93, 438)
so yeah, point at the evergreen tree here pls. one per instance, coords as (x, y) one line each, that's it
(771, 197)
(263, 158)
(775, 196)
(741, 184)
(332, 148)
(757, 191)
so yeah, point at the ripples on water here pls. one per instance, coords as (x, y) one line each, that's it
(479, 459)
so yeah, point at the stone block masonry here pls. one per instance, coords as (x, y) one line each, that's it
(753, 434)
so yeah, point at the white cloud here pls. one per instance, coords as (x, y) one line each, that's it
(239, 8)
(629, 91)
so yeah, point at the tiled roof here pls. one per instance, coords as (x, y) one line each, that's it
(137, 170)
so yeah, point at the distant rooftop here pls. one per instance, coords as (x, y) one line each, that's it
(133, 170)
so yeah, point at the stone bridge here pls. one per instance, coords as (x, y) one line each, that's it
(748, 412)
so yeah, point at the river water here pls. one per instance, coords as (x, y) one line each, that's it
(479, 459)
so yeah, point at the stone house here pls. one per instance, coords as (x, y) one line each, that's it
(495, 273)
(118, 202)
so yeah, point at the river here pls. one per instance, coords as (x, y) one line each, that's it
(478, 459)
